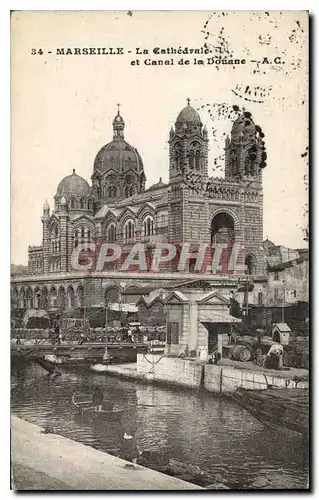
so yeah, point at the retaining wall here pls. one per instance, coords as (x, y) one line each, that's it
(224, 379)
(181, 372)
(219, 379)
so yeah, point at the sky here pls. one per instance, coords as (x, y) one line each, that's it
(62, 107)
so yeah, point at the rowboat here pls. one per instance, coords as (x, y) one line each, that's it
(86, 409)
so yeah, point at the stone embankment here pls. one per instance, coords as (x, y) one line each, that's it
(51, 462)
(225, 378)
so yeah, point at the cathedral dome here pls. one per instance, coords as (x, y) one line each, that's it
(189, 115)
(118, 154)
(73, 185)
(118, 171)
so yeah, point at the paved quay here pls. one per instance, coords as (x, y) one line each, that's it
(52, 462)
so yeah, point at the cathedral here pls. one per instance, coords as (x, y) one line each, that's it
(116, 207)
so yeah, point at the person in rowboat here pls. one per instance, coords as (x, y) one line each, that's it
(97, 399)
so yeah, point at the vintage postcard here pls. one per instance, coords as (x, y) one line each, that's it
(159, 250)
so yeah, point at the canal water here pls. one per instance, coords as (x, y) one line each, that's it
(211, 432)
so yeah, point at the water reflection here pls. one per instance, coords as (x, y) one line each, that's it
(212, 433)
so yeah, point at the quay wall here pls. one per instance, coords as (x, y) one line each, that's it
(226, 380)
(176, 371)
(218, 379)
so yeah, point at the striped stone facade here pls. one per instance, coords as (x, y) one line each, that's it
(192, 208)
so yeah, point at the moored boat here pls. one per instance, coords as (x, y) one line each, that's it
(282, 409)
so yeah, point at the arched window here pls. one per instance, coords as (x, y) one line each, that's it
(90, 204)
(194, 156)
(197, 160)
(81, 203)
(72, 203)
(250, 161)
(55, 238)
(148, 226)
(129, 230)
(178, 157)
(111, 233)
(82, 232)
(191, 159)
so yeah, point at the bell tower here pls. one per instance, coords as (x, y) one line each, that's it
(245, 152)
(188, 145)
(245, 159)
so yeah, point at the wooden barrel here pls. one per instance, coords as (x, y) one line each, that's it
(241, 353)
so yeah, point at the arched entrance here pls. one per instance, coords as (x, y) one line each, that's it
(29, 298)
(276, 337)
(223, 233)
(70, 297)
(112, 295)
(37, 298)
(80, 297)
(22, 299)
(45, 298)
(222, 228)
(61, 298)
(53, 297)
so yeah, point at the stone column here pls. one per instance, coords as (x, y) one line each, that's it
(64, 218)
(192, 327)
(46, 237)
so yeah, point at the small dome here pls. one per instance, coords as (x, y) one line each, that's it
(188, 115)
(118, 119)
(73, 185)
(158, 185)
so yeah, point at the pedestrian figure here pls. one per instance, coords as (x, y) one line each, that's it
(18, 339)
(129, 335)
(274, 357)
